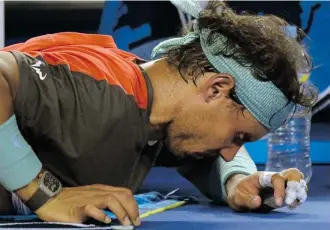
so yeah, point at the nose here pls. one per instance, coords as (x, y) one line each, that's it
(229, 153)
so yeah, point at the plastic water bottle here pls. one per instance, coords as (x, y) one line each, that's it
(289, 146)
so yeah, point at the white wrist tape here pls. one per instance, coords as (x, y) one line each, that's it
(265, 179)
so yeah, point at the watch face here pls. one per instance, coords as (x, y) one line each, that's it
(51, 182)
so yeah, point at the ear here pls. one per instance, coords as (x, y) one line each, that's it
(219, 86)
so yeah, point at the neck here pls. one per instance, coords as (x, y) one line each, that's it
(166, 82)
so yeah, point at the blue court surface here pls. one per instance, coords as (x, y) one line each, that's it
(314, 214)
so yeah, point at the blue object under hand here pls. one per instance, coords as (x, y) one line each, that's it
(154, 200)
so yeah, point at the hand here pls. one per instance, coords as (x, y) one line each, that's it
(76, 205)
(244, 191)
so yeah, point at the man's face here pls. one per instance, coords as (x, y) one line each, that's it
(209, 123)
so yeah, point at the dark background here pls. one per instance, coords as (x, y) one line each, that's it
(29, 19)
(24, 20)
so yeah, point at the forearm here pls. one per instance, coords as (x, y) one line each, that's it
(26, 192)
(6, 100)
(18, 163)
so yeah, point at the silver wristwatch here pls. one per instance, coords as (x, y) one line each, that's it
(48, 187)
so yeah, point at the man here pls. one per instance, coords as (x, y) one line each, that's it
(77, 112)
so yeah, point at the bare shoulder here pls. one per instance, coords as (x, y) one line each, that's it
(9, 70)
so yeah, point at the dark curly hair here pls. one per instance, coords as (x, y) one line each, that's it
(252, 40)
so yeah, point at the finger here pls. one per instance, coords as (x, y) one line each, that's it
(97, 214)
(245, 200)
(278, 183)
(302, 175)
(302, 192)
(254, 202)
(126, 199)
(292, 174)
(291, 192)
(106, 188)
(116, 207)
(294, 204)
(301, 195)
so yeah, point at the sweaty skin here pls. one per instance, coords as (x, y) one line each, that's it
(201, 119)
(193, 120)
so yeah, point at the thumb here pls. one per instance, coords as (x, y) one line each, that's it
(247, 193)
(246, 201)
(252, 202)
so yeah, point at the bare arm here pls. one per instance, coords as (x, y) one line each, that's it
(19, 174)
(8, 85)
(9, 82)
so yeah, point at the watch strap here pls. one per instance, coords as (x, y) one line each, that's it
(38, 199)
(49, 186)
